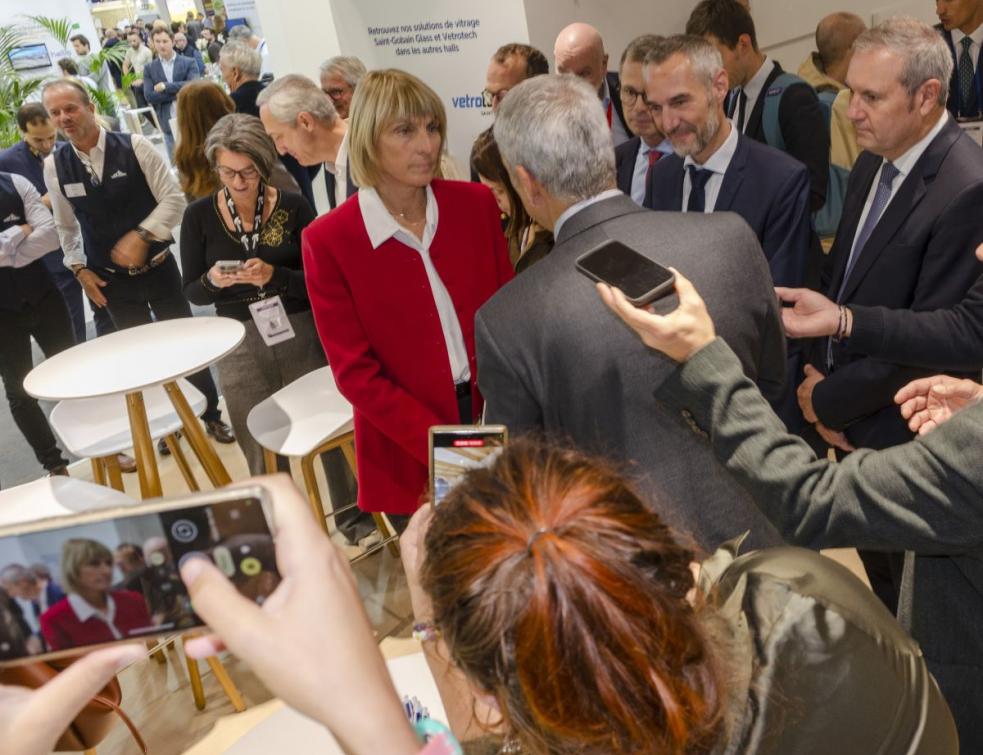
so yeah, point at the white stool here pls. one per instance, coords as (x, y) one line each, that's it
(99, 429)
(305, 419)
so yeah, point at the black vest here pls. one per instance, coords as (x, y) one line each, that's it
(117, 205)
(22, 286)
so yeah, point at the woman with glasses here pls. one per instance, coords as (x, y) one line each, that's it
(240, 250)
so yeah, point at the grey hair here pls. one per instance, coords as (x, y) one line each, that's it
(240, 32)
(245, 135)
(239, 55)
(293, 94)
(554, 127)
(703, 57)
(348, 67)
(639, 48)
(923, 52)
(12, 573)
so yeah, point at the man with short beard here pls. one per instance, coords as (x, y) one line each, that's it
(716, 168)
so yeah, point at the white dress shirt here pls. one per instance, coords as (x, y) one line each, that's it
(753, 89)
(974, 48)
(16, 250)
(168, 66)
(578, 206)
(640, 173)
(166, 215)
(717, 164)
(904, 164)
(619, 133)
(381, 226)
(339, 169)
(84, 611)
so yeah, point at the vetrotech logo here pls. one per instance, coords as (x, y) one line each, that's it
(471, 101)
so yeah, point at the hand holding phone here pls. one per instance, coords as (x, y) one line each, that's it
(640, 279)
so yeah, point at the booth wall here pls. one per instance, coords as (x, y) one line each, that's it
(13, 12)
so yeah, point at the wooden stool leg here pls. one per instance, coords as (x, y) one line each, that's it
(98, 471)
(270, 462)
(313, 494)
(348, 449)
(388, 533)
(214, 468)
(111, 465)
(228, 686)
(174, 445)
(143, 447)
(194, 675)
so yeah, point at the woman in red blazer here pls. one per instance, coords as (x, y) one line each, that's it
(92, 612)
(395, 276)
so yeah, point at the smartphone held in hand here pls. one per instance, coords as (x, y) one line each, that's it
(230, 267)
(640, 279)
(454, 449)
(114, 572)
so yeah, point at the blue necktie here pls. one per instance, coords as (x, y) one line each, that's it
(698, 178)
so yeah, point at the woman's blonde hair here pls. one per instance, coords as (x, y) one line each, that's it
(75, 554)
(381, 99)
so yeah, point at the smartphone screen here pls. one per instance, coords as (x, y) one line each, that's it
(111, 579)
(641, 280)
(454, 449)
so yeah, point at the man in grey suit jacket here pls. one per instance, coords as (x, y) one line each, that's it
(551, 358)
(923, 496)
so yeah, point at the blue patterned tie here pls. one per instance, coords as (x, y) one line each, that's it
(881, 197)
(698, 178)
(967, 80)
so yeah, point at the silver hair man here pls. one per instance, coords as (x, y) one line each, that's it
(239, 55)
(289, 96)
(922, 50)
(552, 127)
(347, 67)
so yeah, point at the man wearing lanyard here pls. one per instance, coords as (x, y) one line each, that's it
(114, 193)
(579, 50)
(962, 28)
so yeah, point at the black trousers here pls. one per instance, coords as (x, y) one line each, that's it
(152, 296)
(48, 322)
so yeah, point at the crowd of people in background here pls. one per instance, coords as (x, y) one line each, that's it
(556, 604)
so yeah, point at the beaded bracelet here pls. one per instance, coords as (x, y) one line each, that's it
(841, 329)
(425, 631)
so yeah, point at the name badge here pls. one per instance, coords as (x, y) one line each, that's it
(271, 321)
(74, 190)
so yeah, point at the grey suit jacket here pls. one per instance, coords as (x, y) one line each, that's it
(925, 496)
(551, 357)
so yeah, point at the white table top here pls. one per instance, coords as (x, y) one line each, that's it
(135, 358)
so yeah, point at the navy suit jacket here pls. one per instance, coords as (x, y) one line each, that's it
(329, 184)
(185, 70)
(919, 257)
(19, 160)
(767, 188)
(625, 155)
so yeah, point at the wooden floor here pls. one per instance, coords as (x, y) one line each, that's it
(158, 697)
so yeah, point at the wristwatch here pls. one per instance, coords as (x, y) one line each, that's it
(78, 268)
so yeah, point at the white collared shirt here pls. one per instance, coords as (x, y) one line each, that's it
(974, 48)
(619, 134)
(578, 206)
(166, 215)
(15, 249)
(640, 173)
(339, 169)
(168, 66)
(753, 90)
(717, 164)
(904, 164)
(381, 226)
(84, 611)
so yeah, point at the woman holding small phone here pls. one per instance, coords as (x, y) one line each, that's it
(395, 276)
(240, 250)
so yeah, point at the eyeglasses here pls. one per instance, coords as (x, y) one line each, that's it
(335, 93)
(630, 96)
(493, 98)
(246, 174)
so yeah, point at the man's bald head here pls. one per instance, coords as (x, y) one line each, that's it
(835, 36)
(579, 50)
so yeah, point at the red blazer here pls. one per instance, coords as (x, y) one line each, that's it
(378, 322)
(62, 629)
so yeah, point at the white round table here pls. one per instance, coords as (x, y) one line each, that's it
(130, 360)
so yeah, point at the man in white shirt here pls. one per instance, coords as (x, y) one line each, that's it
(30, 306)
(137, 57)
(579, 50)
(303, 123)
(244, 34)
(961, 26)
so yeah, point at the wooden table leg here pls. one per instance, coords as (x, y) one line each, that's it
(197, 689)
(174, 444)
(228, 686)
(213, 466)
(143, 447)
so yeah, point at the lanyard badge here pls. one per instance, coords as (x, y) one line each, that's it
(248, 239)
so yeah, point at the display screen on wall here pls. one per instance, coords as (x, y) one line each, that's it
(29, 56)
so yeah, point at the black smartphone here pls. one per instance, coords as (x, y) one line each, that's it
(640, 279)
(115, 571)
(454, 449)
